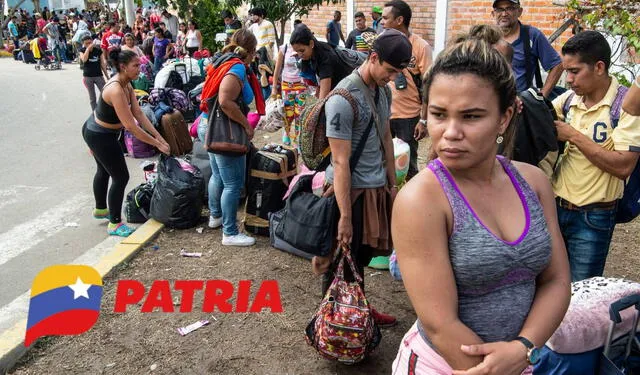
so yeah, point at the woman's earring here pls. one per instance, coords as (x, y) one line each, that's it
(500, 139)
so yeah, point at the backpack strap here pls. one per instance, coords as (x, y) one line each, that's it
(357, 80)
(566, 106)
(355, 157)
(616, 106)
(525, 38)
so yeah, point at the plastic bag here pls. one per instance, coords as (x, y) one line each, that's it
(177, 199)
(274, 116)
(401, 155)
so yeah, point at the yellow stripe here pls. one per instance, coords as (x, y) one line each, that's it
(62, 275)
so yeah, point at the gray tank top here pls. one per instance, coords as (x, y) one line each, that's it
(495, 279)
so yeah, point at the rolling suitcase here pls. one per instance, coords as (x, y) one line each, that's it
(174, 130)
(272, 169)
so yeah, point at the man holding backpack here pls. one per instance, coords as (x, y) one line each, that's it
(531, 48)
(365, 193)
(602, 145)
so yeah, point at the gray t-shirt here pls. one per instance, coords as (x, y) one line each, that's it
(370, 171)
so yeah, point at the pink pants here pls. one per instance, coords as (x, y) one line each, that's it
(415, 357)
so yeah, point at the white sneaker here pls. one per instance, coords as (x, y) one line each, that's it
(239, 239)
(215, 222)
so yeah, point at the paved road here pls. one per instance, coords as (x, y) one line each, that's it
(45, 180)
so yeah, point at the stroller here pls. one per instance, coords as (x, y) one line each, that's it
(44, 57)
(619, 349)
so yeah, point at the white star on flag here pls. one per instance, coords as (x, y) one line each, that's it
(80, 289)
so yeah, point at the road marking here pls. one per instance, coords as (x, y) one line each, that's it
(18, 308)
(26, 235)
(13, 194)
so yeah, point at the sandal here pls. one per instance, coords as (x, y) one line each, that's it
(121, 229)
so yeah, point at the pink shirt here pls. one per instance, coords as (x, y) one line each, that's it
(290, 71)
(41, 23)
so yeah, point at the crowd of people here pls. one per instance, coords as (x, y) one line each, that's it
(488, 258)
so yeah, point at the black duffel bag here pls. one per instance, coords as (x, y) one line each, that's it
(309, 222)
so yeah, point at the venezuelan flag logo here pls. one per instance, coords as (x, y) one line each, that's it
(65, 300)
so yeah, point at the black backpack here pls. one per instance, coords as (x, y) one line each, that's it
(174, 81)
(351, 58)
(138, 202)
(536, 138)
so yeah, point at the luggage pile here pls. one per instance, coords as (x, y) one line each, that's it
(170, 103)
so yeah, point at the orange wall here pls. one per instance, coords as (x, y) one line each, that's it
(422, 22)
(539, 13)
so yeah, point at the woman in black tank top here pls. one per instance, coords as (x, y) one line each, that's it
(116, 109)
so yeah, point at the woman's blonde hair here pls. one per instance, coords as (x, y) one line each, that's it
(477, 57)
(243, 43)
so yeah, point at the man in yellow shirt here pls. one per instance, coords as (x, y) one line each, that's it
(599, 154)
(408, 114)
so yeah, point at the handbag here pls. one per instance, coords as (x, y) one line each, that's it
(225, 136)
(309, 221)
(343, 328)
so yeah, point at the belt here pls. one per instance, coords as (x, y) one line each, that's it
(600, 206)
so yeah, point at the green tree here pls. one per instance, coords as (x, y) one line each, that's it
(618, 18)
(281, 11)
(206, 14)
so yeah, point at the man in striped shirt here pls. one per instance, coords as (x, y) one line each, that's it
(354, 40)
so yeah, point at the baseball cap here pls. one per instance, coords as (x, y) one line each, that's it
(392, 46)
(376, 9)
(516, 2)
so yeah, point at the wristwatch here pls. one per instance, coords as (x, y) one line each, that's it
(533, 353)
(423, 122)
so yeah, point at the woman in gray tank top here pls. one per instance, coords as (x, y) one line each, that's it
(477, 235)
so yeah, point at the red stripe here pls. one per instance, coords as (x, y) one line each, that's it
(413, 360)
(71, 322)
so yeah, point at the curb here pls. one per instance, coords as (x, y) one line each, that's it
(12, 340)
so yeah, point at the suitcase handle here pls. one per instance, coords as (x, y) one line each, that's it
(623, 304)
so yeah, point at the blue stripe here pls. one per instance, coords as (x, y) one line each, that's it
(61, 299)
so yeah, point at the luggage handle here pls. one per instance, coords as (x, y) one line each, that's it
(621, 305)
(614, 313)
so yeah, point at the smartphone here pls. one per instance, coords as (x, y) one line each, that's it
(400, 81)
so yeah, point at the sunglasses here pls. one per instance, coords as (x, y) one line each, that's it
(510, 9)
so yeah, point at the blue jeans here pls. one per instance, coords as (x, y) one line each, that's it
(157, 63)
(225, 185)
(57, 53)
(587, 235)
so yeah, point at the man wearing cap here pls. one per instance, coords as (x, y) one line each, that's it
(365, 193)
(527, 73)
(408, 114)
(376, 14)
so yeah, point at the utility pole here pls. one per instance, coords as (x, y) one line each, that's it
(130, 11)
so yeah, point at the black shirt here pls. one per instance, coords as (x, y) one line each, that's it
(63, 30)
(350, 43)
(91, 67)
(328, 64)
